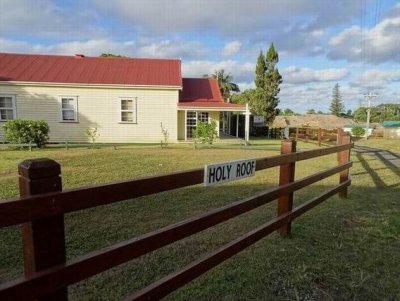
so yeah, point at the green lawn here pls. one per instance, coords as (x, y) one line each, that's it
(341, 250)
(391, 145)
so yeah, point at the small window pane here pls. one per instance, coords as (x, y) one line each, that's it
(191, 114)
(127, 116)
(68, 115)
(203, 116)
(126, 104)
(6, 114)
(191, 122)
(68, 103)
(6, 102)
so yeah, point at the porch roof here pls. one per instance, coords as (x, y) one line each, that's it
(204, 94)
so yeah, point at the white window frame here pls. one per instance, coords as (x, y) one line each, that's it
(191, 127)
(134, 109)
(13, 107)
(75, 99)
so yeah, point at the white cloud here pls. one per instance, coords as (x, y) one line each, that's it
(231, 48)
(89, 48)
(376, 78)
(173, 49)
(197, 68)
(94, 47)
(246, 85)
(230, 17)
(45, 18)
(296, 75)
(375, 45)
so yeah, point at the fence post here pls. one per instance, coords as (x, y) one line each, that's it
(297, 133)
(44, 239)
(319, 136)
(286, 175)
(343, 157)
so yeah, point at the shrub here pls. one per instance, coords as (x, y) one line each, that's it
(205, 132)
(357, 131)
(165, 134)
(92, 134)
(26, 131)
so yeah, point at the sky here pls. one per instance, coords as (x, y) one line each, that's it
(355, 43)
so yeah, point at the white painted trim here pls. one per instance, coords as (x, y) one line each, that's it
(185, 125)
(75, 98)
(202, 109)
(13, 106)
(247, 124)
(134, 109)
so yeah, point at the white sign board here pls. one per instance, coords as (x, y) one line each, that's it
(259, 119)
(228, 171)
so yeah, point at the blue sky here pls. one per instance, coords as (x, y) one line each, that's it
(320, 42)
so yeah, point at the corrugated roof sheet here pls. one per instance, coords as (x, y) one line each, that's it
(200, 89)
(90, 70)
(203, 92)
(391, 124)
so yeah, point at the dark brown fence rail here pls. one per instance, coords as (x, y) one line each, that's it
(42, 206)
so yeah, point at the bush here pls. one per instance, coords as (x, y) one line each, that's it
(358, 131)
(27, 131)
(205, 132)
(93, 134)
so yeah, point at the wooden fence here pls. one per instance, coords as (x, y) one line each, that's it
(43, 203)
(319, 135)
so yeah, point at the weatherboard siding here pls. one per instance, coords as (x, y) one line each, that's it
(98, 107)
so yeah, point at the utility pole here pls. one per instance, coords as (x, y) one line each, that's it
(370, 95)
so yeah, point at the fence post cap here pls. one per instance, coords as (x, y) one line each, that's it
(39, 168)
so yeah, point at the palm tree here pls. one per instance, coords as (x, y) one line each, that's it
(225, 83)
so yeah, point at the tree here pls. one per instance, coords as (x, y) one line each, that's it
(357, 131)
(225, 82)
(264, 100)
(311, 111)
(349, 113)
(244, 97)
(337, 106)
(320, 112)
(288, 112)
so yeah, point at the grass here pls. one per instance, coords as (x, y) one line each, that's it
(391, 145)
(341, 250)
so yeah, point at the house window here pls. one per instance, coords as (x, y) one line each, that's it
(7, 107)
(69, 108)
(191, 121)
(202, 116)
(128, 110)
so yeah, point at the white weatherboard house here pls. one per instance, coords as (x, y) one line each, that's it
(127, 99)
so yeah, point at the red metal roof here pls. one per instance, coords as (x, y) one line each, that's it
(90, 70)
(203, 92)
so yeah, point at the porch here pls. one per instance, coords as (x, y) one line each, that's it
(226, 119)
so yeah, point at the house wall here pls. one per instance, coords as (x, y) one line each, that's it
(98, 107)
(215, 116)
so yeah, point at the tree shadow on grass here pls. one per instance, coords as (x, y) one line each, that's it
(390, 159)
